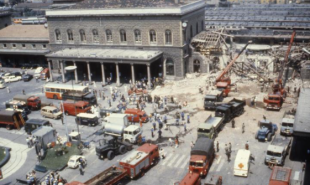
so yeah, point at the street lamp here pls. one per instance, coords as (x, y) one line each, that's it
(72, 69)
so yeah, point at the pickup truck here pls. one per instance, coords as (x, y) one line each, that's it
(266, 130)
(210, 127)
(287, 124)
(212, 98)
(230, 110)
(277, 150)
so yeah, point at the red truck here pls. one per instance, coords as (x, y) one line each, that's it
(137, 114)
(33, 102)
(74, 108)
(190, 179)
(280, 176)
(133, 165)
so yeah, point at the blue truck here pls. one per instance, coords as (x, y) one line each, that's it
(267, 129)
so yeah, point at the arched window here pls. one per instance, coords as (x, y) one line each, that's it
(152, 36)
(109, 35)
(137, 35)
(95, 35)
(169, 67)
(168, 37)
(70, 35)
(58, 35)
(123, 35)
(82, 36)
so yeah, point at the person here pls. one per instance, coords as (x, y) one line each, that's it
(154, 125)
(176, 142)
(185, 128)
(23, 91)
(228, 156)
(8, 89)
(217, 146)
(140, 122)
(233, 123)
(229, 147)
(165, 119)
(47, 180)
(162, 153)
(243, 127)
(188, 117)
(110, 104)
(247, 145)
(159, 134)
(182, 115)
(81, 169)
(62, 119)
(132, 122)
(152, 131)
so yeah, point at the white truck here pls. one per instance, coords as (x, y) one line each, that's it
(287, 123)
(277, 151)
(242, 163)
(37, 72)
(118, 119)
(210, 127)
(132, 133)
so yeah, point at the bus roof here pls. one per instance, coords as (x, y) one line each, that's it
(65, 86)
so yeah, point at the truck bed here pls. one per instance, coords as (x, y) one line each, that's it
(281, 141)
(109, 176)
(215, 121)
(237, 103)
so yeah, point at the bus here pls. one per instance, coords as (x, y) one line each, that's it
(55, 90)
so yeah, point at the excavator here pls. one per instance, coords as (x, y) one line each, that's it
(275, 100)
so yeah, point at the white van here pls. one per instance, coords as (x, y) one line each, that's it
(132, 133)
(37, 72)
(242, 163)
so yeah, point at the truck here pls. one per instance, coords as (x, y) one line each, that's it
(267, 129)
(242, 163)
(202, 155)
(277, 151)
(37, 72)
(33, 102)
(74, 108)
(230, 110)
(280, 176)
(274, 102)
(110, 146)
(211, 99)
(132, 166)
(19, 106)
(210, 127)
(119, 119)
(213, 180)
(33, 124)
(287, 124)
(11, 119)
(190, 178)
(88, 97)
(132, 133)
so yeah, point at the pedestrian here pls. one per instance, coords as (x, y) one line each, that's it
(177, 122)
(62, 119)
(288, 89)
(28, 142)
(185, 128)
(154, 125)
(226, 149)
(243, 127)
(152, 131)
(228, 156)
(182, 115)
(140, 122)
(229, 147)
(217, 146)
(159, 134)
(298, 92)
(233, 123)
(8, 89)
(110, 104)
(81, 169)
(176, 142)
(165, 119)
(188, 118)
(47, 180)
(247, 146)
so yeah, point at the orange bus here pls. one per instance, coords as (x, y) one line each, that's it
(55, 90)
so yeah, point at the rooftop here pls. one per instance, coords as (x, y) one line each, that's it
(24, 32)
(302, 117)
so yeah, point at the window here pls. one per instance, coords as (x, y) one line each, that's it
(23, 45)
(169, 67)
(70, 35)
(44, 46)
(123, 35)
(168, 37)
(137, 36)
(33, 46)
(82, 36)
(95, 35)
(14, 45)
(109, 35)
(152, 36)
(58, 35)
(196, 28)
(4, 45)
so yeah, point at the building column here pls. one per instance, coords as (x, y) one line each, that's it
(75, 73)
(133, 74)
(50, 69)
(88, 71)
(62, 71)
(164, 69)
(102, 73)
(117, 75)
(148, 75)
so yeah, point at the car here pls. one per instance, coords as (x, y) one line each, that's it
(75, 160)
(17, 73)
(27, 77)
(6, 75)
(12, 79)
(2, 84)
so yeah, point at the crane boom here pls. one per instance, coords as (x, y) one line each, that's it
(285, 62)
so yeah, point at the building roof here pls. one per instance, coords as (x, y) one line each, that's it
(24, 32)
(302, 117)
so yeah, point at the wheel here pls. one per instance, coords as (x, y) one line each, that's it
(122, 149)
(55, 97)
(110, 155)
(256, 135)
(269, 137)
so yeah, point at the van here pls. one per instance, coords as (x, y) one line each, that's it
(87, 119)
(242, 163)
(33, 124)
(37, 72)
(51, 112)
(74, 108)
(132, 133)
(137, 114)
(45, 74)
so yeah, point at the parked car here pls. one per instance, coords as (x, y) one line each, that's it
(2, 84)
(27, 77)
(13, 79)
(17, 73)
(51, 112)
(75, 160)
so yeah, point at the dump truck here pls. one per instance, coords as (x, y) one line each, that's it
(11, 119)
(211, 99)
(230, 110)
(88, 97)
(33, 102)
(133, 165)
(202, 155)
(211, 127)
(280, 176)
(287, 124)
(267, 129)
(277, 151)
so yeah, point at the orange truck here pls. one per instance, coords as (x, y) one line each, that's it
(137, 114)
(280, 176)
(202, 155)
(133, 165)
(33, 102)
(190, 179)
(74, 108)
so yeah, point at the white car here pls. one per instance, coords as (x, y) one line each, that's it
(75, 160)
(12, 79)
(2, 84)
(6, 75)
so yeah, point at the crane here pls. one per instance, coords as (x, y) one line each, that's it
(223, 81)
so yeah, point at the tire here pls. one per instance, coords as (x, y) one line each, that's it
(122, 149)
(256, 135)
(269, 137)
(55, 97)
(110, 155)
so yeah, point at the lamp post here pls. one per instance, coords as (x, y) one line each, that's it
(72, 69)
(64, 119)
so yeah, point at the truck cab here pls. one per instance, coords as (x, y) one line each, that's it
(132, 133)
(277, 151)
(280, 176)
(266, 130)
(206, 130)
(274, 101)
(287, 123)
(110, 146)
(190, 178)
(211, 98)
(74, 108)
(137, 114)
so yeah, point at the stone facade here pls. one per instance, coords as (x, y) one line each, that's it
(24, 45)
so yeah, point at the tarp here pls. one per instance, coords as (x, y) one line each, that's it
(203, 146)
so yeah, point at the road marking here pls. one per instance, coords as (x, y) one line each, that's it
(176, 156)
(179, 161)
(186, 163)
(166, 159)
(218, 160)
(296, 175)
(220, 166)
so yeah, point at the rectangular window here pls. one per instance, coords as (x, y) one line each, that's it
(33, 46)
(14, 45)
(24, 45)
(47, 89)
(44, 46)
(4, 45)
